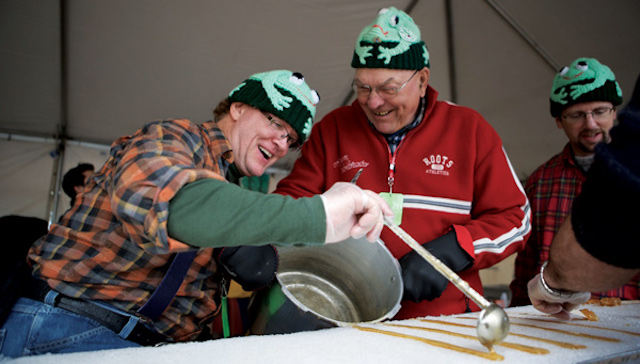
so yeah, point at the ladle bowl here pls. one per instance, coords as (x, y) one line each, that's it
(493, 326)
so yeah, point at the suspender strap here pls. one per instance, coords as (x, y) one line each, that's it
(162, 296)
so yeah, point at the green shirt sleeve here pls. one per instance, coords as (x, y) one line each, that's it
(211, 213)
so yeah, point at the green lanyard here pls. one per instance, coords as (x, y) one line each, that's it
(225, 308)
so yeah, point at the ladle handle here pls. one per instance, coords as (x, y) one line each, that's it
(438, 265)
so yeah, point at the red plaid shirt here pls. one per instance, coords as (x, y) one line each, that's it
(551, 189)
(113, 244)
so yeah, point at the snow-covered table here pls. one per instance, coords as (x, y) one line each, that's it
(537, 338)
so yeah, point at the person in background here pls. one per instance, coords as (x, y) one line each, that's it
(146, 257)
(596, 247)
(583, 102)
(441, 167)
(74, 180)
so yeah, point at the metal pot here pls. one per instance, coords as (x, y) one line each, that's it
(326, 286)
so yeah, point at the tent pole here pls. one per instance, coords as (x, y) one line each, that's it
(56, 177)
(453, 88)
(410, 7)
(56, 181)
(537, 47)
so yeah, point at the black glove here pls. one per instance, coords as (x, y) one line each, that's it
(421, 280)
(253, 267)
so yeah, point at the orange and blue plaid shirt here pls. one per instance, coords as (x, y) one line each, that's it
(113, 244)
(551, 190)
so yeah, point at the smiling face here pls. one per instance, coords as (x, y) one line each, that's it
(256, 145)
(390, 114)
(585, 134)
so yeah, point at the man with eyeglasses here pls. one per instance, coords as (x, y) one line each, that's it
(441, 167)
(583, 102)
(146, 253)
(596, 247)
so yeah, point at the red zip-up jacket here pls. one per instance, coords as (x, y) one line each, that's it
(453, 173)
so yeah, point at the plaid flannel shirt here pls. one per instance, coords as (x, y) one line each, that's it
(551, 190)
(113, 244)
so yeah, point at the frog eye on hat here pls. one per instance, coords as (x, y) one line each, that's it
(563, 71)
(394, 20)
(582, 66)
(297, 78)
(315, 97)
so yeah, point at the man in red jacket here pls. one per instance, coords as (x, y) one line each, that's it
(441, 167)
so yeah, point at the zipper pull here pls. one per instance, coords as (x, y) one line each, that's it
(390, 179)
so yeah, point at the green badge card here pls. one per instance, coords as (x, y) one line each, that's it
(395, 202)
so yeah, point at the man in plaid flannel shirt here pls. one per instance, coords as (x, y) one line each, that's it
(164, 190)
(583, 100)
(579, 262)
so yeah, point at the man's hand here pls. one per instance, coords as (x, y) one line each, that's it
(421, 280)
(253, 267)
(353, 212)
(557, 304)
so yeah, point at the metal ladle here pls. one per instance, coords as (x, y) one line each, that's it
(493, 322)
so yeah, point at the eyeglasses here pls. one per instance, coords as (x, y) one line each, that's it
(383, 91)
(599, 114)
(292, 142)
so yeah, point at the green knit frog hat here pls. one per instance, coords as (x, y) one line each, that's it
(584, 80)
(282, 93)
(391, 41)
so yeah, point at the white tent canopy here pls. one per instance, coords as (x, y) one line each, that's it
(81, 73)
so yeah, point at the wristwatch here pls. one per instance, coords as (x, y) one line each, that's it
(562, 294)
